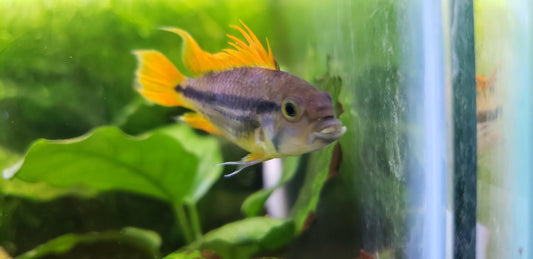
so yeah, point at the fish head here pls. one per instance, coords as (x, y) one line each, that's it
(306, 120)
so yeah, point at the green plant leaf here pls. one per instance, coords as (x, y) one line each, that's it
(207, 150)
(254, 203)
(193, 254)
(185, 255)
(140, 240)
(156, 165)
(244, 238)
(41, 191)
(315, 177)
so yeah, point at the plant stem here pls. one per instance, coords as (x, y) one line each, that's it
(183, 222)
(195, 220)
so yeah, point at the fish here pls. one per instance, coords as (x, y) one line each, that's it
(241, 94)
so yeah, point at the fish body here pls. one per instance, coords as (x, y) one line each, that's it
(242, 95)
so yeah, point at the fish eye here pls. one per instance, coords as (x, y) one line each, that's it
(289, 109)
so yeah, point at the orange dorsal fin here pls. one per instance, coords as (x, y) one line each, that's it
(250, 54)
(156, 77)
(196, 121)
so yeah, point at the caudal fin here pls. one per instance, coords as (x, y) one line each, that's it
(156, 78)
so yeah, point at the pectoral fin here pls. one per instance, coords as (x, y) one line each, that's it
(249, 160)
(196, 121)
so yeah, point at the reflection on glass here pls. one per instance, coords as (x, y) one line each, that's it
(504, 109)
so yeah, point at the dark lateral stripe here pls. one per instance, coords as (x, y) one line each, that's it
(240, 118)
(228, 101)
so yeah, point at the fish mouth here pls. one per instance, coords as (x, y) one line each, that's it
(329, 130)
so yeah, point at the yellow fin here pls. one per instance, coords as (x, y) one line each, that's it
(156, 78)
(253, 157)
(251, 54)
(196, 121)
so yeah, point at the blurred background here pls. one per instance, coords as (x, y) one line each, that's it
(437, 99)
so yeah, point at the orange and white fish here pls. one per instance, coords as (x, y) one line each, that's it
(242, 95)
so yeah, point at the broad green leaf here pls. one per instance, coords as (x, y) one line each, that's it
(139, 239)
(40, 191)
(254, 203)
(106, 159)
(207, 150)
(245, 238)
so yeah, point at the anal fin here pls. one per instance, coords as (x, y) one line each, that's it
(197, 121)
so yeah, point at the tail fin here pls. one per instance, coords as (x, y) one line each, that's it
(156, 78)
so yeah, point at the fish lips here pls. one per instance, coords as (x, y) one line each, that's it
(328, 131)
